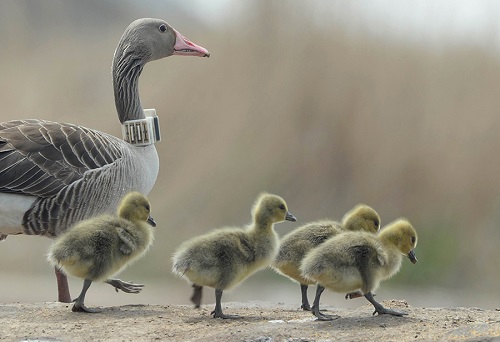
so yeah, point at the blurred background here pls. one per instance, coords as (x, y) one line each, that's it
(395, 104)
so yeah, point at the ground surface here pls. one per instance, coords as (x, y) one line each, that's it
(260, 322)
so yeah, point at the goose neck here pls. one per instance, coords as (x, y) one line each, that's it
(126, 71)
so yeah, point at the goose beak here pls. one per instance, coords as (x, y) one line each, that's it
(290, 217)
(151, 221)
(184, 47)
(412, 257)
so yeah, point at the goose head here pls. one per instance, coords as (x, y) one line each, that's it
(149, 39)
(362, 218)
(135, 207)
(401, 234)
(270, 208)
(143, 41)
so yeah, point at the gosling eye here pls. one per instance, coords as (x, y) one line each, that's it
(412, 240)
(162, 28)
(148, 208)
(376, 223)
(282, 207)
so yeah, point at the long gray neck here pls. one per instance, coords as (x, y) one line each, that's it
(127, 68)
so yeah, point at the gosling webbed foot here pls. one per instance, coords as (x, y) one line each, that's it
(380, 309)
(321, 316)
(197, 294)
(355, 294)
(127, 287)
(80, 307)
(218, 314)
(306, 307)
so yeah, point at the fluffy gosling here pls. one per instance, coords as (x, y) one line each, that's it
(224, 257)
(100, 247)
(356, 262)
(296, 244)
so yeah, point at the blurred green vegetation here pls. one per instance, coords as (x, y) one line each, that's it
(314, 112)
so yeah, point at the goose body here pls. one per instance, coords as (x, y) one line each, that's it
(356, 262)
(100, 247)
(223, 258)
(55, 174)
(296, 244)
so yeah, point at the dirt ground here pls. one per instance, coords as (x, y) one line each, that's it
(260, 322)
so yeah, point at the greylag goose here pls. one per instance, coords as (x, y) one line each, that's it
(54, 174)
(296, 244)
(224, 257)
(100, 247)
(356, 262)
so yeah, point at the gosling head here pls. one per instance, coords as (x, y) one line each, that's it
(271, 208)
(362, 217)
(402, 234)
(136, 207)
(150, 39)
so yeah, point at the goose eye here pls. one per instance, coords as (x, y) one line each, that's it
(282, 207)
(148, 208)
(162, 28)
(413, 240)
(376, 223)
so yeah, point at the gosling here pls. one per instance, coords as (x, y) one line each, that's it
(223, 258)
(295, 245)
(356, 262)
(100, 247)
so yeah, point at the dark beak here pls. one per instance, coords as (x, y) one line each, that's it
(412, 257)
(151, 221)
(290, 217)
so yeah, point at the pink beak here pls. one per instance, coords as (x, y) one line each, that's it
(184, 47)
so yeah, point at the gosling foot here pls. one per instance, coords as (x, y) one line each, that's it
(379, 309)
(127, 287)
(355, 294)
(219, 314)
(321, 316)
(80, 307)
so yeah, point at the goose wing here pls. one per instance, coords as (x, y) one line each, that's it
(39, 157)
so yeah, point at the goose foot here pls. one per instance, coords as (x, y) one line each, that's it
(217, 313)
(315, 308)
(127, 287)
(197, 294)
(80, 307)
(379, 309)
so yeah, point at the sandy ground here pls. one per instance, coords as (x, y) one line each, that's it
(261, 321)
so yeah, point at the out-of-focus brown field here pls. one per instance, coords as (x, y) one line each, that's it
(323, 116)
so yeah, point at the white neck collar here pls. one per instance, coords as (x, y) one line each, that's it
(142, 132)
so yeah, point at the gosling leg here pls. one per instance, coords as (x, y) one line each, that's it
(79, 306)
(63, 295)
(197, 294)
(315, 308)
(125, 286)
(305, 302)
(380, 309)
(217, 313)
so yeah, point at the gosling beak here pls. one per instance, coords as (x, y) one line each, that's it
(412, 257)
(151, 221)
(185, 47)
(290, 217)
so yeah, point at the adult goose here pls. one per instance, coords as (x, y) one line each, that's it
(54, 174)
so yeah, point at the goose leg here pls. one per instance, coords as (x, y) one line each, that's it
(79, 306)
(380, 309)
(217, 313)
(305, 302)
(125, 286)
(196, 297)
(315, 308)
(62, 287)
